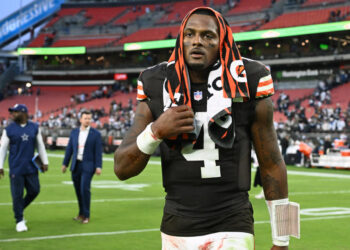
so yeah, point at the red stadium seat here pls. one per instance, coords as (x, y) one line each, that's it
(303, 18)
(62, 13)
(178, 11)
(151, 34)
(321, 2)
(38, 41)
(132, 15)
(246, 6)
(87, 42)
(100, 16)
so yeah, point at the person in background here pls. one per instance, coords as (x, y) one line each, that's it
(85, 150)
(21, 136)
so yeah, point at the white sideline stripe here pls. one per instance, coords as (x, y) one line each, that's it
(289, 172)
(317, 174)
(104, 158)
(161, 198)
(308, 219)
(100, 200)
(320, 192)
(139, 231)
(79, 235)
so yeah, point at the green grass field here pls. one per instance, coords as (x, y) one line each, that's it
(126, 215)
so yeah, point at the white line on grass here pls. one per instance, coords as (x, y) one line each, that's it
(104, 158)
(320, 192)
(79, 235)
(290, 172)
(138, 231)
(317, 174)
(161, 198)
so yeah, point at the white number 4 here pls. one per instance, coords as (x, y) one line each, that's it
(209, 154)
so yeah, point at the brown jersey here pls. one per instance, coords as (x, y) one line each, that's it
(207, 181)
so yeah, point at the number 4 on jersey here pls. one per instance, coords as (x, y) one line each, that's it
(209, 154)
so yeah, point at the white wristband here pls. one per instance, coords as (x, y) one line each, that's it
(271, 205)
(147, 142)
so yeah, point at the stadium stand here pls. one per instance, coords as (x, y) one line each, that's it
(149, 34)
(246, 6)
(38, 41)
(178, 11)
(293, 94)
(101, 16)
(321, 2)
(105, 103)
(51, 98)
(300, 18)
(133, 14)
(89, 41)
(62, 13)
(339, 95)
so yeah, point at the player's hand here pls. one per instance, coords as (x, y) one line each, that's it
(1, 173)
(279, 248)
(44, 168)
(98, 171)
(64, 168)
(174, 121)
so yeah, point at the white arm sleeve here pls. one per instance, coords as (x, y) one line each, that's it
(3, 148)
(41, 148)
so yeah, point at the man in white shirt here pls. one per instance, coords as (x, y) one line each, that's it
(85, 149)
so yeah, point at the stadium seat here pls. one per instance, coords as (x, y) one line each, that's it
(131, 15)
(178, 11)
(62, 13)
(320, 2)
(87, 42)
(246, 6)
(150, 34)
(100, 16)
(303, 18)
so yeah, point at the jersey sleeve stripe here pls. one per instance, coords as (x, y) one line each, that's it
(141, 97)
(265, 78)
(264, 93)
(265, 87)
(265, 81)
(140, 93)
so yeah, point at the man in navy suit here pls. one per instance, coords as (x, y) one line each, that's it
(85, 149)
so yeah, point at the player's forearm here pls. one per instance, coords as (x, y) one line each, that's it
(274, 180)
(129, 161)
(264, 137)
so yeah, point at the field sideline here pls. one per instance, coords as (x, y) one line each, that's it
(126, 215)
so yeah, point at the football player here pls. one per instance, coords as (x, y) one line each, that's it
(205, 107)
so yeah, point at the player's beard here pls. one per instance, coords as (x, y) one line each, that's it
(197, 66)
(18, 119)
